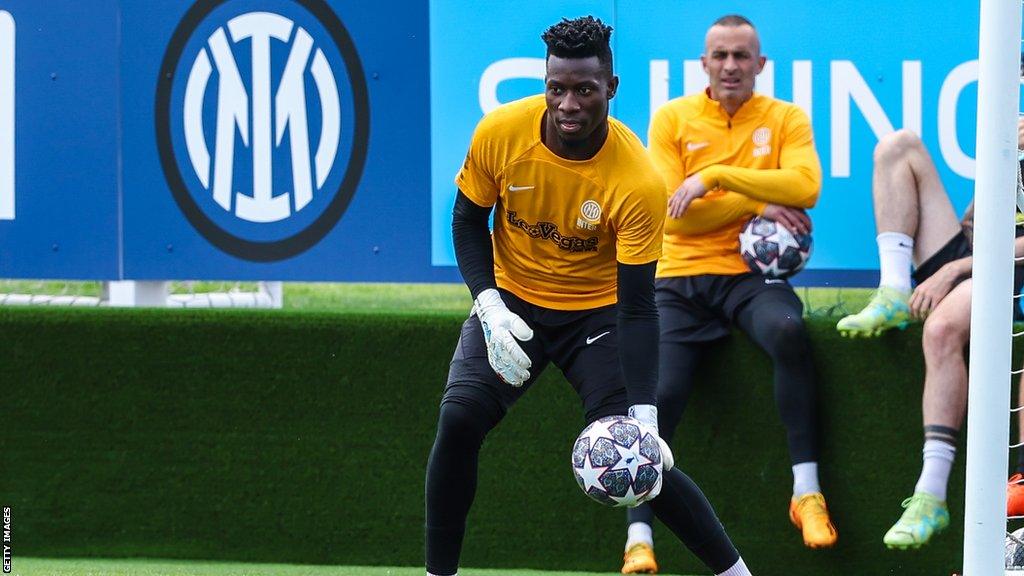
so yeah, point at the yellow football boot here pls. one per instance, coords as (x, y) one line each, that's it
(887, 309)
(809, 514)
(639, 559)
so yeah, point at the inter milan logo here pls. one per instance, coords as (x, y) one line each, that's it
(262, 123)
(762, 138)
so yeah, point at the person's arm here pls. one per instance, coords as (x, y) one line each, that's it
(795, 183)
(963, 267)
(474, 250)
(928, 294)
(503, 330)
(665, 149)
(638, 331)
(638, 348)
(708, 214)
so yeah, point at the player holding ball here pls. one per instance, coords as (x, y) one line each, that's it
(566, 278)
(727, 154)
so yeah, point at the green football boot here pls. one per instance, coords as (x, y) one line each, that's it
(887, 309)
(924, 517)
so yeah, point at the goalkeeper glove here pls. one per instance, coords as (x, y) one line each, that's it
(502, 328)
(647, 415)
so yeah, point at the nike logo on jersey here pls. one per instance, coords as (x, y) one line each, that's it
(512, 188)
(596, 338)
(773, 281)
(691, 146)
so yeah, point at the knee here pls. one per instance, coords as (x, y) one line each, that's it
(787, 337)
(461, 424)
(942, 336)
(896, 147)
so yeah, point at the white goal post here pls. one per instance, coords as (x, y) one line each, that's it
(991, 318)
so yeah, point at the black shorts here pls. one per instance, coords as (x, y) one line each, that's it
(959, 247)
(703, 308)
(583, 344)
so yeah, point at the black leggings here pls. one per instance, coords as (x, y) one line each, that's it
(451, 487)
(775, 325)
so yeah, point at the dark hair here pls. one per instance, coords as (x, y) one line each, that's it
(733, 20)
(580, 38)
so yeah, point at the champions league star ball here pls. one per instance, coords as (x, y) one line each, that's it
(1015, 550)
(617, 461)
(771, 249)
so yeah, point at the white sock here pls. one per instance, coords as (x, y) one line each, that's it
(895, 257)
(639, 532)
(938, 461)
(805, 478)
(737, 569)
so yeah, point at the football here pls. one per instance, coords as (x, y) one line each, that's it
(1015, 550)
(771, 249)
(617, 461)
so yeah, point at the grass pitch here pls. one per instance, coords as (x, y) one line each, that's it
(146, 567)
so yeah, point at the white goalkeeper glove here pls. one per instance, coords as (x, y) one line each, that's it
(647, 415)
(502, 329)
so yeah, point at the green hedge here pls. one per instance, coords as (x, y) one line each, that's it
(296, 437)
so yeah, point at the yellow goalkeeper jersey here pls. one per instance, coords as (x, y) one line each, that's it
(561, 225)
(762, 154)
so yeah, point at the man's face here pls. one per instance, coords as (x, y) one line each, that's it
(577, 91)
(732, 58)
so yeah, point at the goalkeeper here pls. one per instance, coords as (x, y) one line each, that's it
(727, 154)
(917, 227)
(567, 278)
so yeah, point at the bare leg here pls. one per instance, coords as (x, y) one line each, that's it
(909, 197)
(946, 332)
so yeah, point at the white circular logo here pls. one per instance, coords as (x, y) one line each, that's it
(262, 124)
(591, 210)
(266, 132)
(762, 136)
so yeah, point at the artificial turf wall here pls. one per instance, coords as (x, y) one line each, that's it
(300, 437)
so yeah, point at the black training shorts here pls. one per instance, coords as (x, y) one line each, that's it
(703, 308)
(959, 247)
(583, 344)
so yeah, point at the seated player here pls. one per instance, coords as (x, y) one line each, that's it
(917, 226)
(727, 154)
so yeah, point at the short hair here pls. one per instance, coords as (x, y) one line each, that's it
(580, 38)
(733, 20)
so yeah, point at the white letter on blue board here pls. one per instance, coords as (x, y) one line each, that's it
(6, 116)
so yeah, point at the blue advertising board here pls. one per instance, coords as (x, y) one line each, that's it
(276, 139)
(306, 140)
(859, 71)
(58, 140)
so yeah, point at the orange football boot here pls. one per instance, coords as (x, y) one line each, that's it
(810, 515)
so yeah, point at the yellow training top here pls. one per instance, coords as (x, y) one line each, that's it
(763, 154)
(560, 225)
